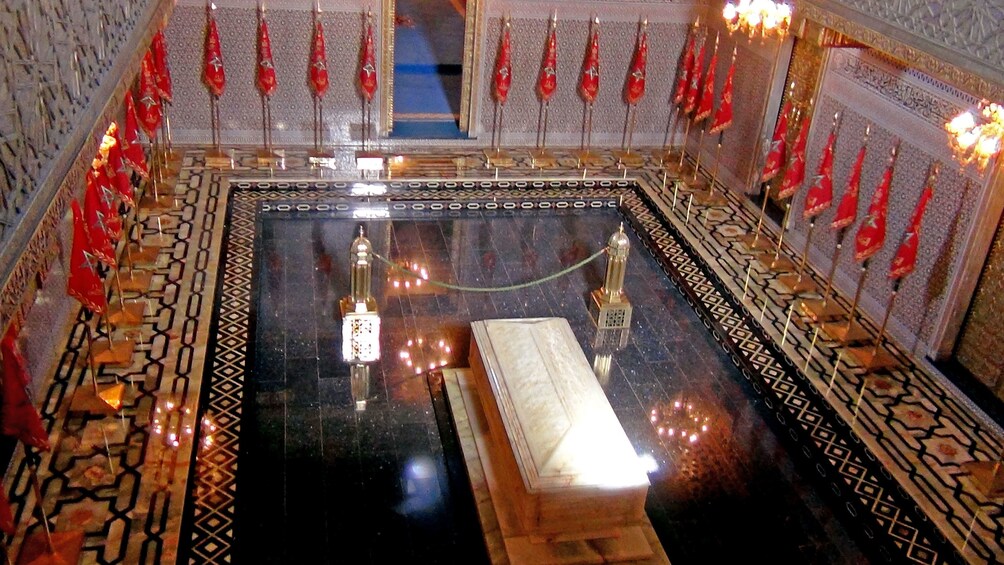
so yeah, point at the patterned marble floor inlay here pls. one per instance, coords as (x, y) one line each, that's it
(861, 467)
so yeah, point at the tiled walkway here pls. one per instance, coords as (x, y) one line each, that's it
(894, 461)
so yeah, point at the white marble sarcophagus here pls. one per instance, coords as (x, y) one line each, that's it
(565, 462)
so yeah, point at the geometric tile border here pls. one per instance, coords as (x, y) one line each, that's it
(889, 519)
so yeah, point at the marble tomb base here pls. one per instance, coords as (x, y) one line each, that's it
(540, 439)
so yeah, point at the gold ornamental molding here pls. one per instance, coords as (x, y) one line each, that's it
(913, 56)
(387, 66)
(472, 62)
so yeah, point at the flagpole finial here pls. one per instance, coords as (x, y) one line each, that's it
(554, 18)
(596, 19)
(644, 23)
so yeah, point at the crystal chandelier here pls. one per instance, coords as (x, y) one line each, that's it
(763, 17)
(977, 138)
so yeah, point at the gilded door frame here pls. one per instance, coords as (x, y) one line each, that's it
(473, 32)
(387, 66)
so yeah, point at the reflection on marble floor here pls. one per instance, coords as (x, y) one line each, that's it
(894, 460)
(338, 481)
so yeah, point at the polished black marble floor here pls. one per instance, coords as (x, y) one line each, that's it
(336, 468)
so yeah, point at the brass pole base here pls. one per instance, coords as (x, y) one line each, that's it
(146, 255)
(66, 548)
(711, 200)
(673, 168)
(666, 155)
(872, 360)
(776, 263)
(815, 310)
(542, 158)
(129, 316)
(272, 158)
(154, 201)
(629, 159)
(754, 243)
(588, 158)
(498, 158)
(114, 354)
(792, 284)
(105, 402)
(136, 281)
(698, 185)
(987, 476)
(219, 159)
(846, 332)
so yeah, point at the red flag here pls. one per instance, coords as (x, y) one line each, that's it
(161, 70)
(149, 99)
(589, 83)
(213, 74)
(686, 66)
(132, 151)
(19, 417)
(548, 80)
(871, 233)
(847, 210)
(95, 215)
(635, 87)
(503, 68)
(723, 116)
(117, 169)
(820, 194)
(6, 516)
(84, 284)
(367, 65)
(693, 87)
(707, 101)
(266, 68)
(906, 256)
(777, 151)
(318, 73)
(106, 195)
(794, 174)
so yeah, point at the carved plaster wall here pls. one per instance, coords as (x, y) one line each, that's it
(52, 134)
(902, 104)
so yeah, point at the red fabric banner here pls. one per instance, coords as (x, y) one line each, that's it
(906, 256)
(723, 116)
(693, 87)
(820, 194)
(367, 65)
(118, 172)
(214, 76)
(19, 418)
(794, 174)
(778, 149)
(589, 83)
(132, 150)
(634, 90)
(686, 66)
(317, 75)
(502, 79)
(548, 80)
(707, 101)
(84, 283)
(95, 215)
(847, 210)
(871, 234)
(148, 110)
(161, 69)
(266, 66)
